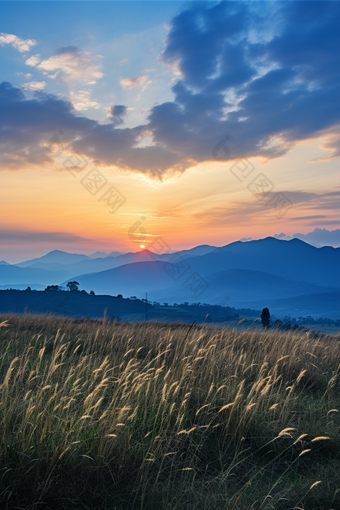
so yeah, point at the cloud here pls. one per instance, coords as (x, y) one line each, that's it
(330, 143)
(116, 113)
(318, 237)
(26, 75)
(27, 125)
(136, 81)
(81, 100)
(34, 85)
(268, 75)
(33, 61)
(17, 43)
(69, 63)
(23, 236)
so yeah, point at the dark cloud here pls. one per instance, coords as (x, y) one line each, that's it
(117, 113)
(266, 74)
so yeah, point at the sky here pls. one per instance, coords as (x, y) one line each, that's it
(196, 122)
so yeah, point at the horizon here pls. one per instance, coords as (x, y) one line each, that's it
(141, 250)
(117, 130)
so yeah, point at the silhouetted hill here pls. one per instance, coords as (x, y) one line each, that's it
(81, 304)
(74, 304)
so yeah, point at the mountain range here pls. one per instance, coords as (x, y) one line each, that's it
(289, 277)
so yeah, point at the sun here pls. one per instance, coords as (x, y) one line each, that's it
(142, 246)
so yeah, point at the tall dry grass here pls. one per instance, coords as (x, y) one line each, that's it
(156, 416)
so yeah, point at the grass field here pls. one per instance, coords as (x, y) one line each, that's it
(104, 415)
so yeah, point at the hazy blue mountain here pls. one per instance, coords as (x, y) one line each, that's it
(193, 252)
(85, 265)
(4, 263)
(294, 259)
(103, 254)
(102, 264)
(243, 287)
(100, 261)
(98, 254)
(116, 253)
(130, 279)
(10, 275)
(252, 274)
(54, 257)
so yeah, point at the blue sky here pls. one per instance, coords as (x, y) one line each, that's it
(145, 90)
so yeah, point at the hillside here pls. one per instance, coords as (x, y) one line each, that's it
(81, 305)
(155, 416)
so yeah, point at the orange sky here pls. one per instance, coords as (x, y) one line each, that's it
(205, 205)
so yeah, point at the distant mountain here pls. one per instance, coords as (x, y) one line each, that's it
(244, 288)
(98, 254)
(71, 263)
(193, 252)
(86, 264)
(103, 254)
(4, 263)
(294, 260)
(10, 275)
(252, 274)
(116, 253)
(102, 264)
(55, 257)
(130, 279)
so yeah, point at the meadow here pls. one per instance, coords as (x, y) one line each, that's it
(117, 416)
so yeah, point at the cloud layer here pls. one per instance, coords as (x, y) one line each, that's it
(268, 75)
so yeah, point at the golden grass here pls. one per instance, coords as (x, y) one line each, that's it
(104, 415)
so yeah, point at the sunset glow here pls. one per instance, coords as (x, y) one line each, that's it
(119, 117)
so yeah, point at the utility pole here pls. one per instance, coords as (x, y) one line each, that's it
(146, 306)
